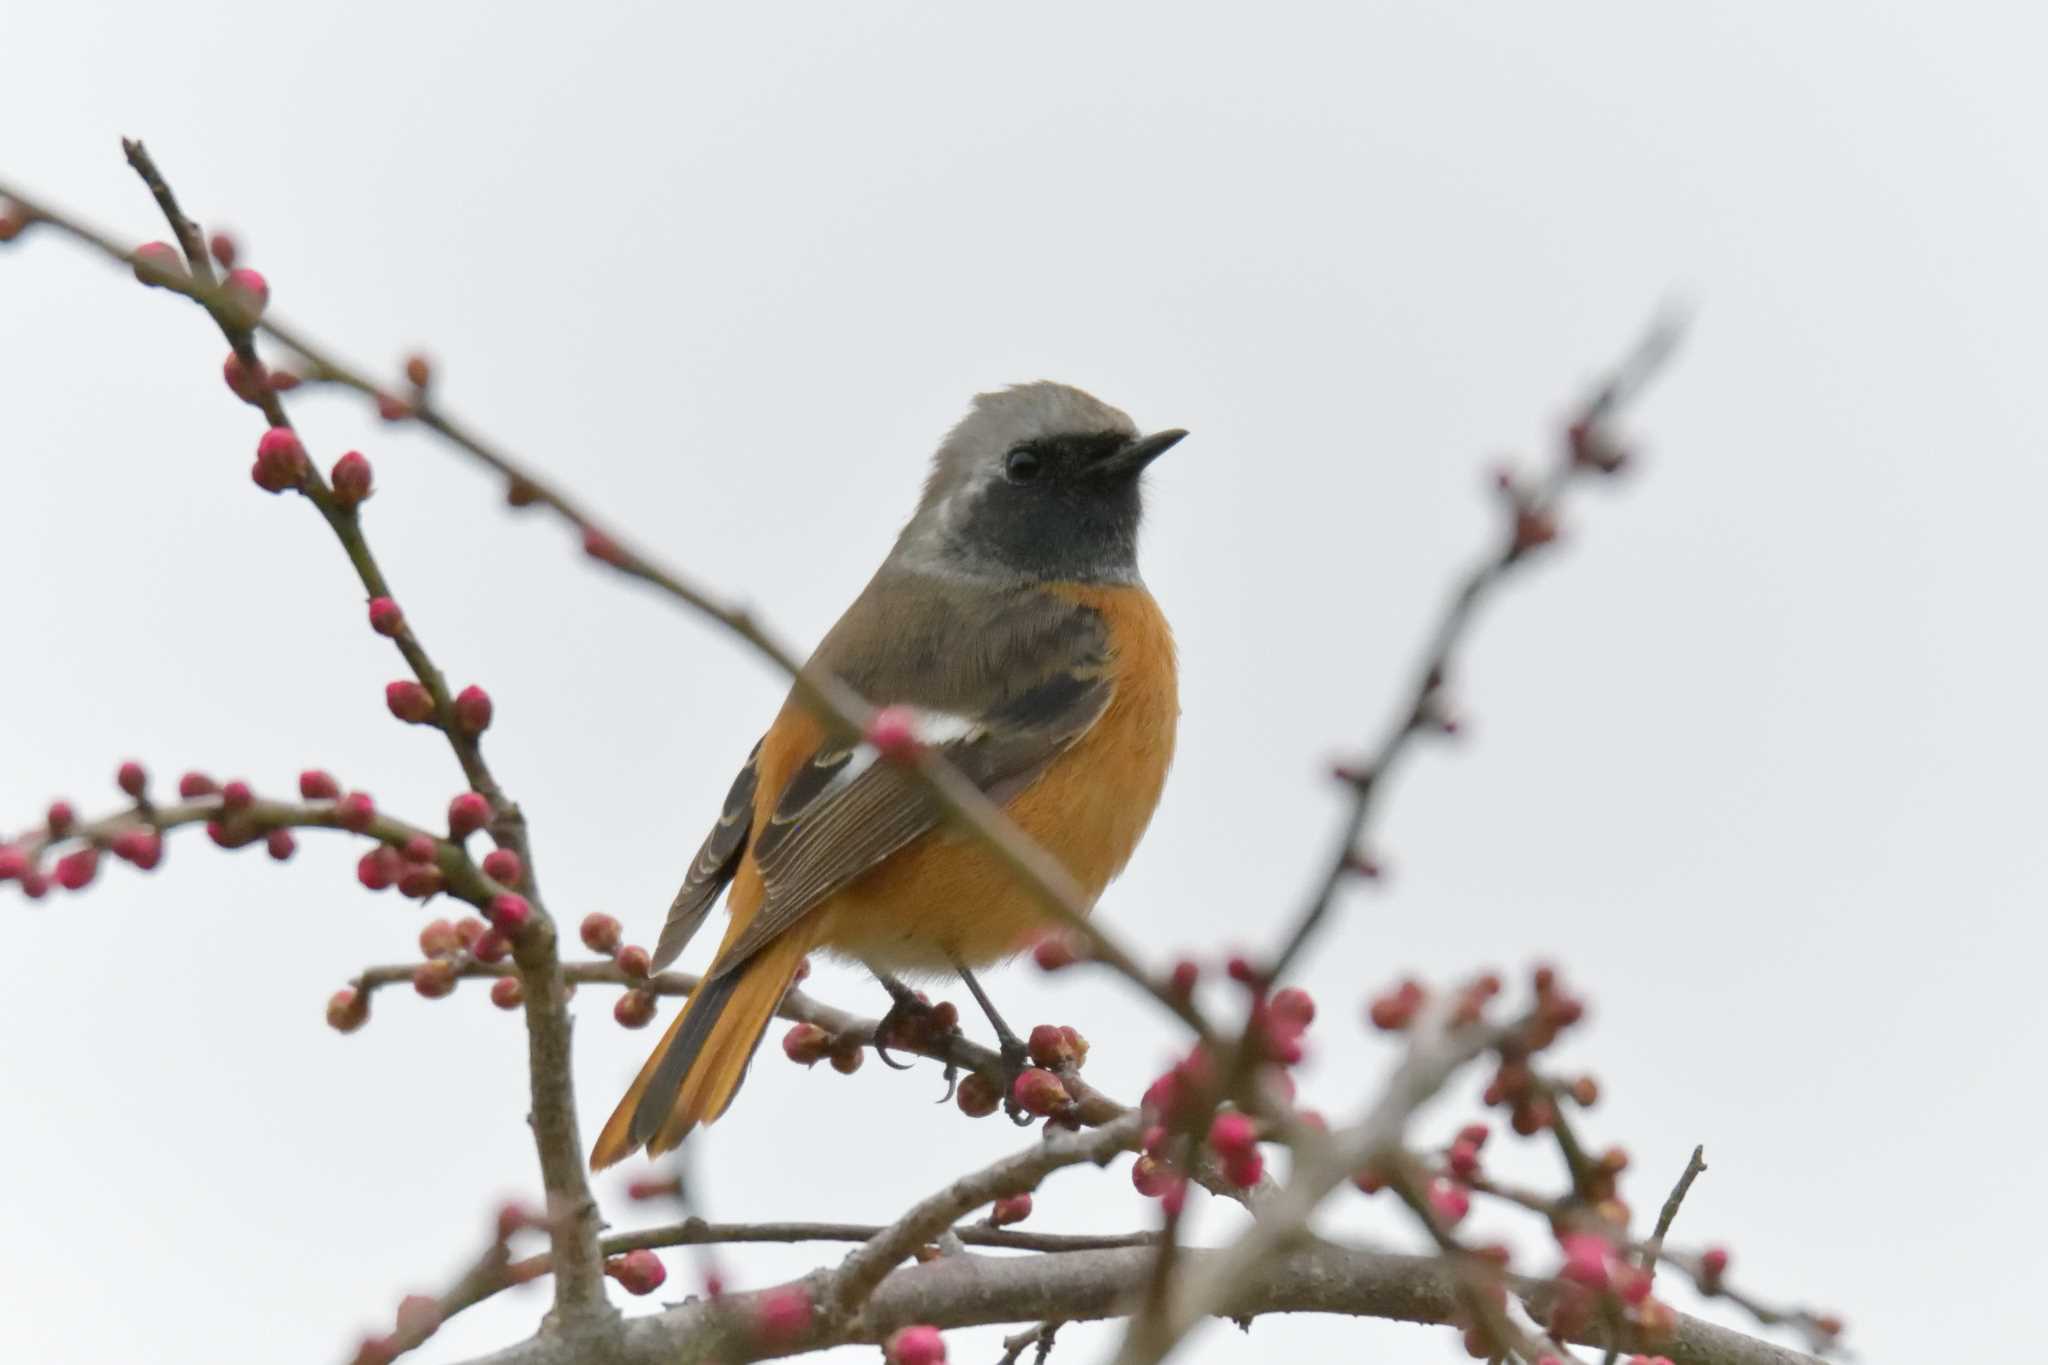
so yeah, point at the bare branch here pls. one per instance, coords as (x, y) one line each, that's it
(973, 1291)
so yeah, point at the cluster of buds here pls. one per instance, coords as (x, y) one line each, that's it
(603, 935)
(1598, 1281)
(135, 836)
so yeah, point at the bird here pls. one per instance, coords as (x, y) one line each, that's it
(1010, 621)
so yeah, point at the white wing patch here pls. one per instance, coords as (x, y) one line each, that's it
(934, 728)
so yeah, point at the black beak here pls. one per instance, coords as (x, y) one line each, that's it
(1141, 452)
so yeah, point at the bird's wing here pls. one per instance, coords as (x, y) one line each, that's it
(1002, 682)
(714, 865)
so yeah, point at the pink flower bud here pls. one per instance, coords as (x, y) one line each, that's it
(641, 1191)
(439, 939)
(634, 1009)
(76, 870)
(419, 882)
(1585, 1259)
(248, 291)
(467, 814)
(387, 619)
(1244, 1169)
(419, 371)
(1055, 951)
(242, 383)
(236, 797)
(13, 862)
(315, 785)
(490, 947)
(596, 543)
(601, 934)
(356, 812)
(409, 701)
(1294, 1006)
(782, 1316)
(473, 710)
(60, 818)
(378, 868)
(1038, 1091)
(1713, 1265)
(156, 262)
(1451, 1202)
(1010, 1209)
(638, 1272)
(893, 732)
(634, 962)
(280, 460)
(132, 779)
(142, 847)
(224, 249)
(347, 1010)
(392, 408)
(420, 849)
(1182, 981)
(978, 1096)
(507, 993)
(281, 844)
(434, 979)
(806, 1044)
(350, 479)
(1232, 1132)
(508, 913)
(1151, 1177)
(919, 1344)
(194, 785)
(502, 866)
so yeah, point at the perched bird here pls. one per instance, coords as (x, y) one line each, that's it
(1011, 621)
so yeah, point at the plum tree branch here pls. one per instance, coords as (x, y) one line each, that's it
(973, 1291)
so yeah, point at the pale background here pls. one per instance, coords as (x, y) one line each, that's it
(1757, 756)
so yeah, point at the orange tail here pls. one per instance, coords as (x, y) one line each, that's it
(697, 1068)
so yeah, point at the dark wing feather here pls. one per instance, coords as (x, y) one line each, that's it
(845, 811)
(713, 866)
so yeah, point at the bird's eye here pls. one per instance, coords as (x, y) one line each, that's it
(1022, 465)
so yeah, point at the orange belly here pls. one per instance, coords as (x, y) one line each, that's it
(944, 898)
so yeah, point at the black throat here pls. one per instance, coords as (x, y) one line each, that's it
(1077, 521)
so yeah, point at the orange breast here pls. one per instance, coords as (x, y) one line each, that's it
(944, 898)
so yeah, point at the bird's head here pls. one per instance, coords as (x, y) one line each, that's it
(1038, 482)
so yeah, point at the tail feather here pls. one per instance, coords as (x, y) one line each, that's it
(698, 1066)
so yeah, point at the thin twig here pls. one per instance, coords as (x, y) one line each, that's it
(1694, 1168)
(1414, 716)
(866, 1268)
(572, 1211)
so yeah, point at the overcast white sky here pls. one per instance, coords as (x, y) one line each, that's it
(1757, 756)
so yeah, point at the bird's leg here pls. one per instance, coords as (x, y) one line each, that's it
(906, 1010)
(1015, 1055)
